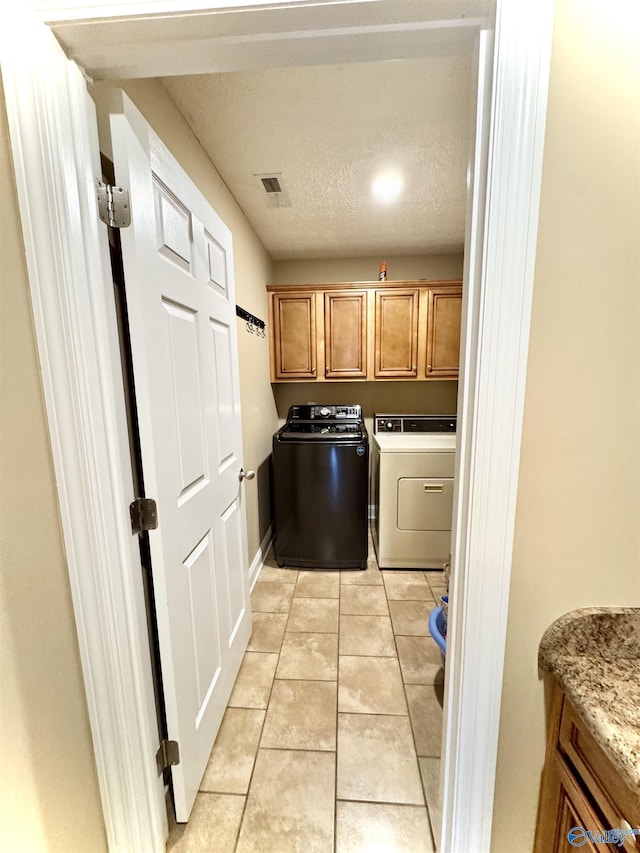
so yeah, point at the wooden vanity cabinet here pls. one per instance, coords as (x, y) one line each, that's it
(568, 807)
(400, 330)
(580, 787)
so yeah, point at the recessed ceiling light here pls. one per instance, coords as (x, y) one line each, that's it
(387, 186)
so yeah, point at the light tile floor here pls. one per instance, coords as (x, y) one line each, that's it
(331, 738)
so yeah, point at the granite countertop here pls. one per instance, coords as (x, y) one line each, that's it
(594, 653)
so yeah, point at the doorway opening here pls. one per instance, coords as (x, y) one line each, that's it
(375, 391)
(508, 276)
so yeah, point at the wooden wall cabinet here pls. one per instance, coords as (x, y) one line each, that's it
(396, 333)
(580, 787)
(400, 330)
(345, 334)
(293, 327)
(443, 332)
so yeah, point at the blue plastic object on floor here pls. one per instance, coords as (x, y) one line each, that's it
(437, 630)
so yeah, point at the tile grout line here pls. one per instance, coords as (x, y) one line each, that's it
(337, 718)
(335, 780)
(288, 612)
(297, 749)
(423, 805)
(413, 734)
(255, 760)
(382, 803)
(415, 744)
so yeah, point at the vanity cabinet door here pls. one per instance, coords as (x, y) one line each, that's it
(294, 336)
(581, 789)
(443, 332)
(345, 334)
(566, 811)
(396, 333)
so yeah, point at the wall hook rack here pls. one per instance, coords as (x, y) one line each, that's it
(254, 324)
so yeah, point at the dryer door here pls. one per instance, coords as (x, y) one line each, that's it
(425, 503)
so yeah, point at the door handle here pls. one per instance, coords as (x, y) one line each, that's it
(426, 487)
(246, 475)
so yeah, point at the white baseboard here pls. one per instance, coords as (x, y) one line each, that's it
(258, 561)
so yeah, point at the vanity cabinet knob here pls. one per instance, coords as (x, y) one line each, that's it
(634, 832)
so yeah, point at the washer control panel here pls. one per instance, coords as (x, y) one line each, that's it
(312, 412)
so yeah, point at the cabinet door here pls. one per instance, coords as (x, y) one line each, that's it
(565, 810)
(396, 334)
(618, 805)
(345, 331)
(443, 333)
(294, 336)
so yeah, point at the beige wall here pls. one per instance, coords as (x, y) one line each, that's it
(577, 533)
(253, 271)
(409, 268)
(411, 398)
(49, 799)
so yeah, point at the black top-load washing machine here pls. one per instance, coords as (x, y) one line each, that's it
(321, 475)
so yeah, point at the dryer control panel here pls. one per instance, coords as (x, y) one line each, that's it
(387, 424)
(414, 423)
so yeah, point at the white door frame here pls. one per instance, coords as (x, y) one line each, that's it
(54, 141)
(498, 287)
(77, 344)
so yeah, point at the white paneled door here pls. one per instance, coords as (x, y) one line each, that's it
(178, 264)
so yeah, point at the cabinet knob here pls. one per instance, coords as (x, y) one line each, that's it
(429, 368)
(313, 370)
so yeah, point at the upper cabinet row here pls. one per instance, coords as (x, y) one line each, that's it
(365, 330)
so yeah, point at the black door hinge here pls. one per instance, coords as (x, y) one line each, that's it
(144, 515)
(168, 755)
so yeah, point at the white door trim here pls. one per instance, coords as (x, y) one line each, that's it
(85, 407)
(491, 402)
(55, 154)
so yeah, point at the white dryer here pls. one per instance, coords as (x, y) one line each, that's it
(412, 467)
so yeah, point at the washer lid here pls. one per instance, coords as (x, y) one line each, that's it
(402, 442)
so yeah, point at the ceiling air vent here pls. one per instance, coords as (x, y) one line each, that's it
(271, 185)
(274, 189)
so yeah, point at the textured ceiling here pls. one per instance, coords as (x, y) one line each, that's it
(327, 130)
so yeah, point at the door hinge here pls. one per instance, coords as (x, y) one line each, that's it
(144, 515)
(168, 755)
(113, 205)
